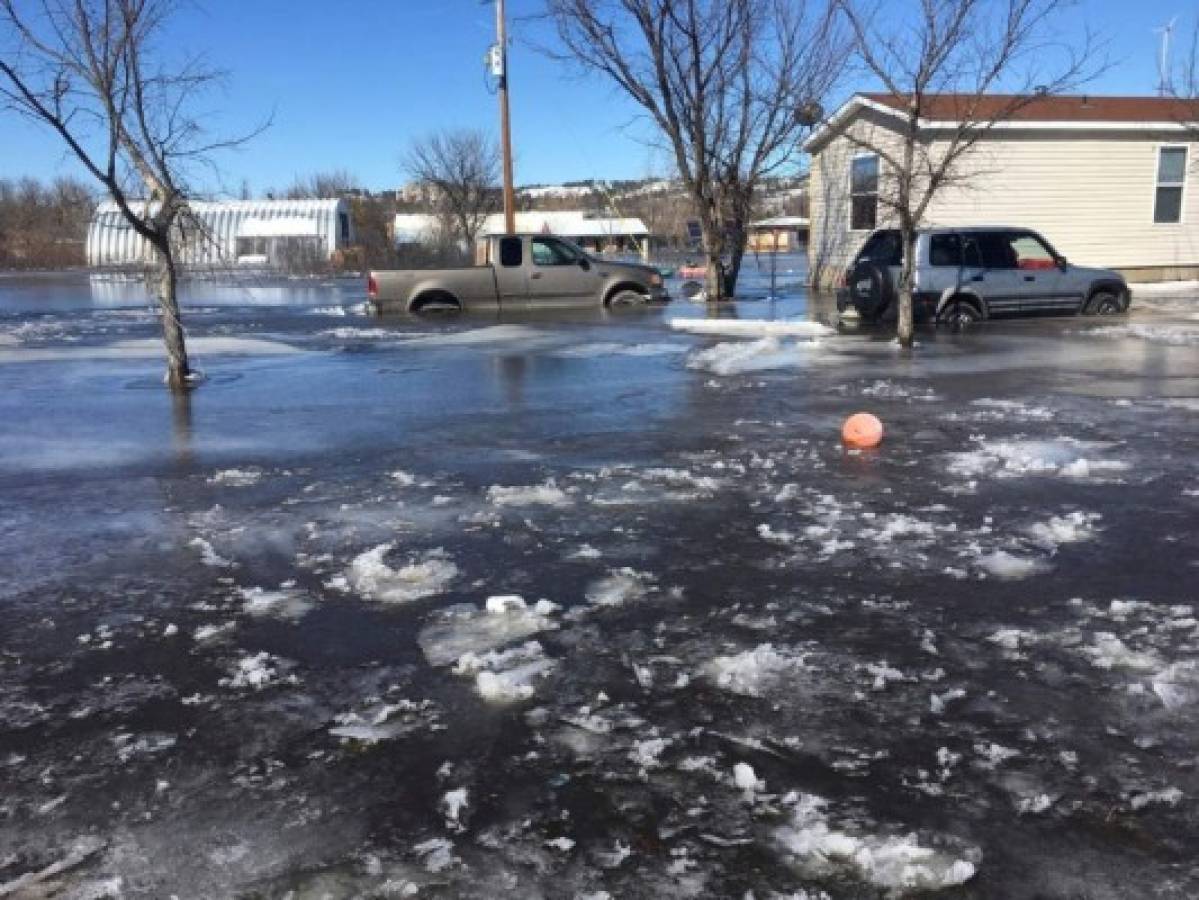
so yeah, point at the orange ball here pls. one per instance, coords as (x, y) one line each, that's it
(862, 431)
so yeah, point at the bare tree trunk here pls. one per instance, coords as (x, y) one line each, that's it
(904, 328)
(736, 255)
(714, 279)
(178, 367)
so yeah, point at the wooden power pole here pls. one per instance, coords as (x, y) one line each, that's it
(501, 28)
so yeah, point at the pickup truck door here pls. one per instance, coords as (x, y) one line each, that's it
(511, 274)
(559, 275)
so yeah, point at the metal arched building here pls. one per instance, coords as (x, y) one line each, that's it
(272, 233)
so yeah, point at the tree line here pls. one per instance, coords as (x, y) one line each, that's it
(44, 224)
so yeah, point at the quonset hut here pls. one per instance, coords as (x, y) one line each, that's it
(260, 233)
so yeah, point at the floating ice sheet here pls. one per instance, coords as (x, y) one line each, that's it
(466, 629)
(425, 575)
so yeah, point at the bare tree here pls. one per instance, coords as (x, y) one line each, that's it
(463, 169)
(729, 84)
(93, 72)
(323, 186)
(943, 61)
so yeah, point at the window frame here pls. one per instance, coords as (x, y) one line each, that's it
(1181, 185)
(878, 177)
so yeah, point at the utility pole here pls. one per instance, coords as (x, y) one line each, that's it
(501, 70)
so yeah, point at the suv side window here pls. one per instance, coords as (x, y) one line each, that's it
(511, 254)
(884, 248)
(996, 249)
(945, 250)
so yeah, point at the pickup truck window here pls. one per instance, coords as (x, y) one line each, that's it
(548, 252)
(510, 252)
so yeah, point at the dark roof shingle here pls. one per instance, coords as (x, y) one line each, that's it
(1064, 108)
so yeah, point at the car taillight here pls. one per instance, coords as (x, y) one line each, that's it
(372, 287)
(845, 279)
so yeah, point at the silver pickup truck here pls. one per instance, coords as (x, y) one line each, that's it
(528, 271)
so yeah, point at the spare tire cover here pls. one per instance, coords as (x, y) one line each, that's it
(870, 288)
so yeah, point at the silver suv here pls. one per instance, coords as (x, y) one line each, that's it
(967, 274)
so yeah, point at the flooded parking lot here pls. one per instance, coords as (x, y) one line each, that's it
(589, 605)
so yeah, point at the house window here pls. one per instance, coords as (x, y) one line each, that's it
(863, 193)
(1171, 176)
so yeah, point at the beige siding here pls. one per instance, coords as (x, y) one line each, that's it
(1091, 194)
(831, 243)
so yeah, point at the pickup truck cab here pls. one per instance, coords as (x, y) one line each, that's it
(517, 272)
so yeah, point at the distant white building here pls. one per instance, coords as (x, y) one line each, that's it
(272, 233)
(602, 234)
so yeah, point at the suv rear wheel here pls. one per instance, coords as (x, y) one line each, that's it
(959, 314)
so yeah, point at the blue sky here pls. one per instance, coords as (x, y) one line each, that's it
(350, 83)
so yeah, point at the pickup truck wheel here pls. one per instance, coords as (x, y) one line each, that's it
(958, 314)
(436, 304)
(627, 298)
(1104, 302)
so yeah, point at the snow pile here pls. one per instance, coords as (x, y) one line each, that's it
(747, 781)
(620, 586)
(508, 675)
(236, 477)
(464, 628)
(759, 328)
(892, 863)
(256, 672)
(422, 577)
(437, 854)
(1171, 796)
(740, 357)
(1009, 459)
(548, 494)
(208, 554)
(646, 754)
(494, 334)
(683, 478)
(1071, 528)
(453, 803)
(1109, 652)
(384, 721)
(348, 333)
(586, 351)
(1177, 685)
(999, 410)
(1001, 564)
(1171, 335)
(285, 603)
(150, 348)
(889, 390)
(753, 672)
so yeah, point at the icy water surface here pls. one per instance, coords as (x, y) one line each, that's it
(589, 606)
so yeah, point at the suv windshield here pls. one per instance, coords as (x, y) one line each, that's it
(884, 248)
